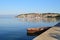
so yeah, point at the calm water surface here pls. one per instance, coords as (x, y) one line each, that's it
(16, 28)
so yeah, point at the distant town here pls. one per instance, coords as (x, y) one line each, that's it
(39, 15)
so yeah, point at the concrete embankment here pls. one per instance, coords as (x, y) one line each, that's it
(51, 34)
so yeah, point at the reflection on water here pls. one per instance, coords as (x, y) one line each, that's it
(39, 19)
(50, 19)
(40, 22)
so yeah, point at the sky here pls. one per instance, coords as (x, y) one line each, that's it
(15, 7)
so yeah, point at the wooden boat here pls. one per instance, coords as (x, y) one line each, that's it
(34, 30)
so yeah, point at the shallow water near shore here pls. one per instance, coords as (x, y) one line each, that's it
(16, 28)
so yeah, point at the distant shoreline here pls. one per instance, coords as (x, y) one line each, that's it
(43, 15)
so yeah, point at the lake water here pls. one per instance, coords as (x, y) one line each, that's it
(16, 28)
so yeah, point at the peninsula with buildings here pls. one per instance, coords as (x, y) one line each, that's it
(39, 15)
